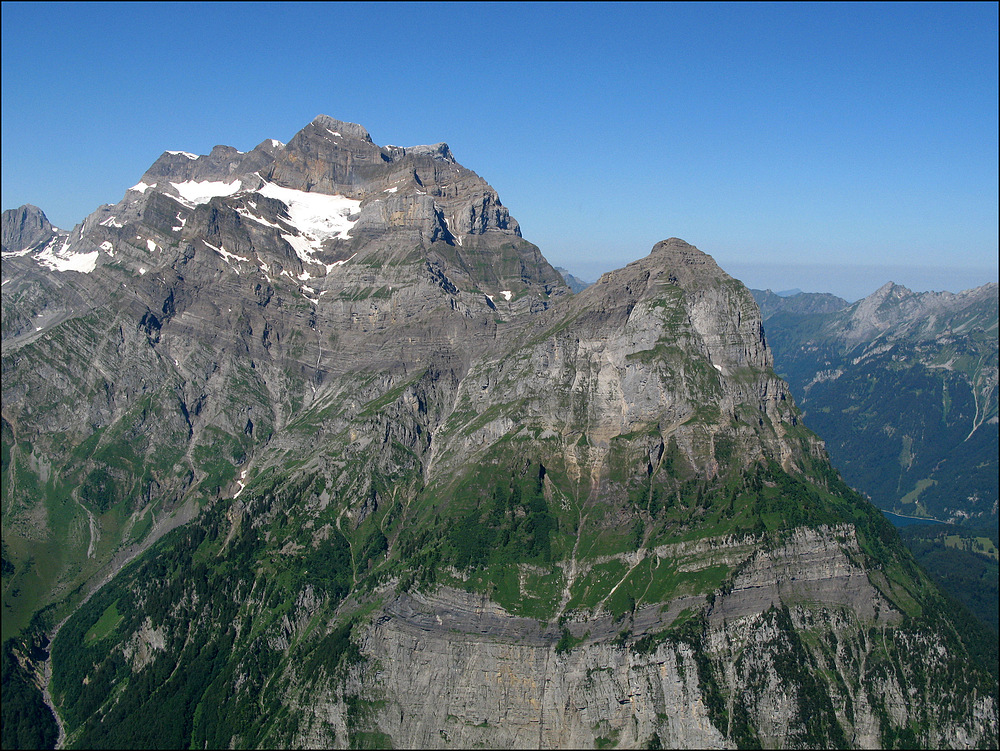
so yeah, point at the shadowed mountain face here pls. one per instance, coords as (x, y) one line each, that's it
(903, 388)
(383, 480)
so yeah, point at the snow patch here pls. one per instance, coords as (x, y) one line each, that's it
(66, 260)
(142, 271)
(303, 247)
(316, 216)
(227, 255)
(202, 192)
(331, 266)
(259, 219)
(447, 226)
(112, 221)
(507, 294)
(277, 144)
(151, 246)
(188, 154)
(391, 190)
(241, 482)
(17, 253)
(141, 187)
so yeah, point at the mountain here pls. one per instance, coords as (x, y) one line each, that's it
(574, 283)
(903, 388)
(308, 447)
(801, 303)
(269, 297)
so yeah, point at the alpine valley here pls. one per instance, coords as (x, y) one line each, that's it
(308, 447)
(903, 388)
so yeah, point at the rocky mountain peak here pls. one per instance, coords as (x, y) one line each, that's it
(25, 228)
(889, 288)
(876, 310)
(711, 318)
(221, 164)
(679, 254)
(269, 146)
(672, 263)
(301, 210)
(888, 292)
(435, 151)
(672, 243)
(772, 303)
(341, 128)
(916, 314)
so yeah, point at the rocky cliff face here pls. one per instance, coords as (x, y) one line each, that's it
(421, 495)
(452, 669)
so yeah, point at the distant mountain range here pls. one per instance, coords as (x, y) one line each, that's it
(903, 388)
(797, 303)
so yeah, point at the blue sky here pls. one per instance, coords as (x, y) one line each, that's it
(827, 147)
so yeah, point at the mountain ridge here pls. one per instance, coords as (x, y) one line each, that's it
(935, 351)
(403, 451)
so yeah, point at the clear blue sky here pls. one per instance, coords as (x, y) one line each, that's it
(827, 147)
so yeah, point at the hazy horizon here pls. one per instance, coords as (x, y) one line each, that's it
(828, 147)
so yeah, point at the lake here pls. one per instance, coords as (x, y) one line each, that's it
(907, 521)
